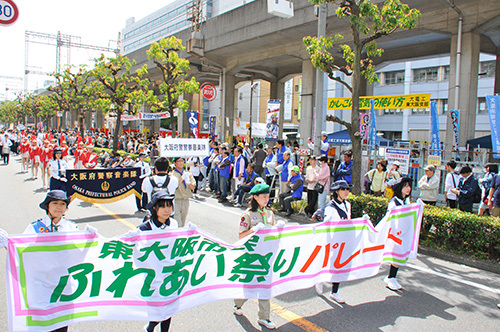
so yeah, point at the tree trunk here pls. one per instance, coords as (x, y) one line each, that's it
(174, 124)
(80, 123)
(118, 128)
(355, 136)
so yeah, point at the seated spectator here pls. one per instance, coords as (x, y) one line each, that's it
(247, 185)
(127, 161)
(103, 156)
(295, 188)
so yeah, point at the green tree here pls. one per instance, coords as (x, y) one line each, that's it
(74, 91)
(368, 21)
(118, 89)
(8, 111)
(174, 71)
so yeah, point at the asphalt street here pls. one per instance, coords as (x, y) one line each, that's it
(437, 295)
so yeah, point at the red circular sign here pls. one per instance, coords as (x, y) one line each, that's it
(208, 91)
(8, 12)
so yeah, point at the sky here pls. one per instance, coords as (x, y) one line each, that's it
(96, 22)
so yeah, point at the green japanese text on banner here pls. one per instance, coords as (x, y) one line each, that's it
(152, 275)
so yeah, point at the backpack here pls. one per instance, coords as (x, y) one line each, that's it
(477, 193)
(157, 188)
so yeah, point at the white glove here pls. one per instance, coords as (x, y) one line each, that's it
(258, 227)
(64, 179)
(191, 226)
(4, 238)
(90, 229)
(185, 177)
(281, 223)
(142, 176)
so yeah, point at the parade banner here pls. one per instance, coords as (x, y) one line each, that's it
(105, 185)
(372, 131)
(183, 147)
(435, 135)
(272, 123)
(213, 124)
(382, 102)
(364, 124)
(193, 120)
(494, 112)
(153, 275)
(145, 116)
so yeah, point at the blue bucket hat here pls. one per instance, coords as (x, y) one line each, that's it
(340, 184)
(160, 195)
(54, 195)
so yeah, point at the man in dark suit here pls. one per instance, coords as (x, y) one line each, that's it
(467, 186)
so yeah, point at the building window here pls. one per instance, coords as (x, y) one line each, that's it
(444, 109)
(425, 75)
(394, 77)
(487, 69)
(481, 105)
(446, 73)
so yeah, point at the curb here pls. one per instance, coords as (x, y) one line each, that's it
(445, 255)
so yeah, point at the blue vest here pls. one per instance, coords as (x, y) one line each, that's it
(252, 178)
(237, 165)
(205, 160)
(347, 177)
(225, 171)
(297, 193)
(279, 155)
(269, 158)
(284, 171)
(325, 152)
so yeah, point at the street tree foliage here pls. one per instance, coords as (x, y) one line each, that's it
(368, 21)
(74, 92)
(9, 111)
(118, 89)
(173, 83)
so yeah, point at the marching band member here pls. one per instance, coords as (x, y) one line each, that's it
(24, 151)
(145, 172)
(45, 157)
(89, 158)
(34, 155)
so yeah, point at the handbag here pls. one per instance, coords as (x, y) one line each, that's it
(319, 188)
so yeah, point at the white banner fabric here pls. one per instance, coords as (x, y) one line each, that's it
(59, 279)
(184, 147)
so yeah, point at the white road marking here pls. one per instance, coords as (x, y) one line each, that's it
(460, 280)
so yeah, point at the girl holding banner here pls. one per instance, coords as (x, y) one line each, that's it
(255, 218)
(161, 206)
(402, 191)
(338, 209)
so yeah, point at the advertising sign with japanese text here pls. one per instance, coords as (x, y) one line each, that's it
(152, 275)
(183, 147)
(402, 156)
(272, 123)
(494, 113)
(382, 102)
(103, 185)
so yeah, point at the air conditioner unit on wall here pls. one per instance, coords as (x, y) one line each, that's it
(281, 8)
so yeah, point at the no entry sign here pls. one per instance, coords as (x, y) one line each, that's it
(8, 12)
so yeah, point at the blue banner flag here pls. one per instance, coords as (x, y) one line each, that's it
(105, 185)
(435, 138)
(494, 112)
(213, 124)
(193, 119)
(372, 133)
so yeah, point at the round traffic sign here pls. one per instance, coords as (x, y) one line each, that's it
(208, 91)
(8, 12)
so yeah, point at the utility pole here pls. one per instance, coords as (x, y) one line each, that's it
(318, 100)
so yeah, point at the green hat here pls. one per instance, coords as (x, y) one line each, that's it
(296, 169)
(177, 158)
(260, 188)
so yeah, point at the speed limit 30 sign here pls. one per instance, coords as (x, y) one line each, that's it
(8, 12)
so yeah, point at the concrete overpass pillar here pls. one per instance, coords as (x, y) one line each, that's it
(274, 93)
(279, 93)
(307, 98)
(467, 100)
(227, 112)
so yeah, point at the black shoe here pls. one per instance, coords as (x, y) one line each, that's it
(289, 213)
(282, 210)
(222, 200)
